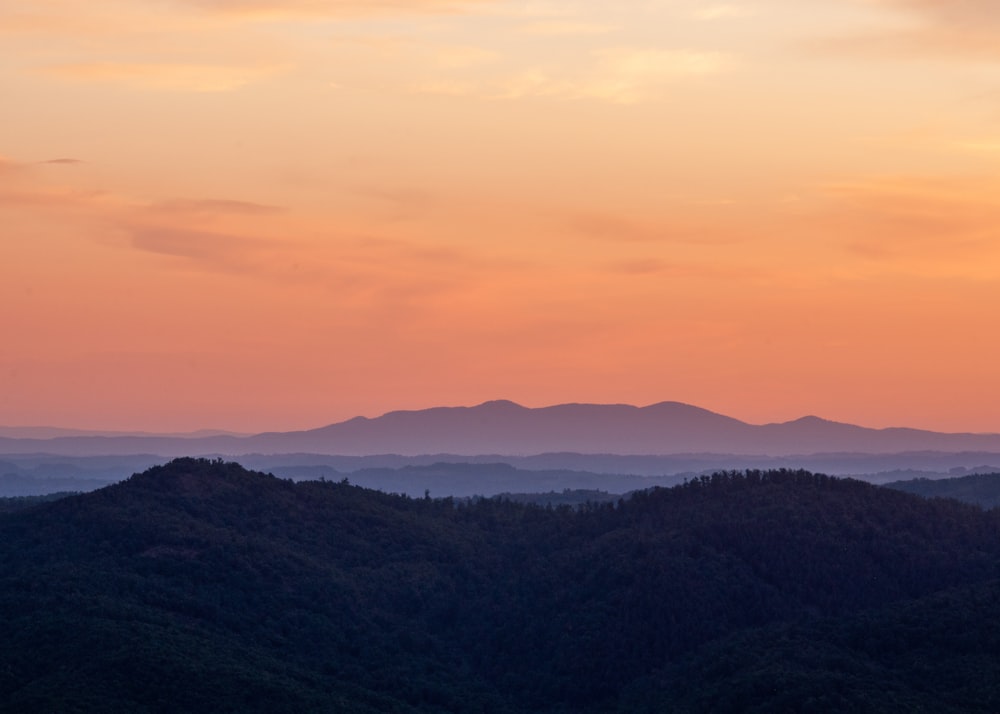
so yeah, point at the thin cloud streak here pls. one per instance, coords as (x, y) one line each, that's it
(164, 77)
(618, 75)
(213, 249)
(213, 207)
(917, 224)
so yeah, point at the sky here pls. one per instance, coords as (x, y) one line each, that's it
(277, 214)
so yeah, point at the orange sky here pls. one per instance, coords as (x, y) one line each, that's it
(275, 214)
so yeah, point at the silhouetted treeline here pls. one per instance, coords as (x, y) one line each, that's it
(199, 585)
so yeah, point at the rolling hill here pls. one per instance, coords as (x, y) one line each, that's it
(201, 585)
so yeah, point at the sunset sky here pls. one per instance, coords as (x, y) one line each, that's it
(276, 214)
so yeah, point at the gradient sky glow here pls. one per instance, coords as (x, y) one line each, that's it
(275, 214)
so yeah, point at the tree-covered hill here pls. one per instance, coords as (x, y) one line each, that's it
(982, 489)
(199, 585)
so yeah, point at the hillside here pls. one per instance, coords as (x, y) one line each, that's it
(981, 489)
(201, 585)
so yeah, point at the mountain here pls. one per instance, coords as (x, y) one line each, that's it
(199, 585)
(503, 427)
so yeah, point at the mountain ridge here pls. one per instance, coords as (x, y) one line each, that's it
(506, 427)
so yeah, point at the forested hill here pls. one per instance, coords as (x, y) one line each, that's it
(982, 489)
(199, 585)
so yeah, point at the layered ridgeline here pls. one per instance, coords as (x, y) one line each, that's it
(982, 489)
(500, 446)
(506, 428)
(200, 586)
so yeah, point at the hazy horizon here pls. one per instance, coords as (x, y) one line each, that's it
(30, 431)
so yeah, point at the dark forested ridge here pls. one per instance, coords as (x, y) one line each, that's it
(982, 489)
(9, 504)
(199, 585)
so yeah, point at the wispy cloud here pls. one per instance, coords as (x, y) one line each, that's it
(555, 28)
(628, 74)
(957, 13)
(962, 29)
(619, 75)
(213, 206)
(165, 76)
(625, 75)
(987, 146)
(939, 225)
(217, 251)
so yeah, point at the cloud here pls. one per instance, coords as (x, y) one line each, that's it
(22, 167)
(962, 29)
(937, 224)
(663, 62)
(216, 251)
(22, 187)
(213, 206)
(568, 28)
(988, 146)
(629, 75)
(165, 76)
(967, 13)
(616, 75)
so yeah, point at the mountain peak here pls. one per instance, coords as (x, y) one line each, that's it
(197, 476)
(811, 420)
(497, 404)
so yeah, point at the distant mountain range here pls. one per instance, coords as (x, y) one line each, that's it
(506, 428)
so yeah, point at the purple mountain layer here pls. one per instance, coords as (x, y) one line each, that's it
(503, 427)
